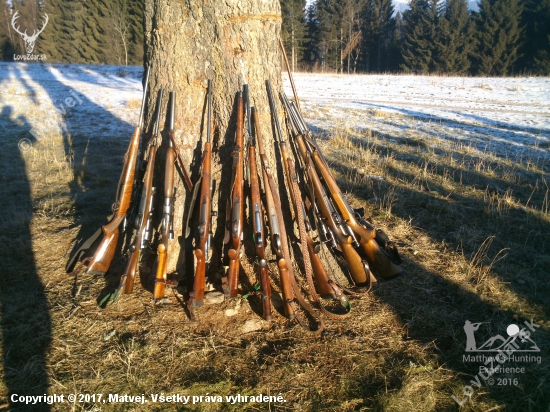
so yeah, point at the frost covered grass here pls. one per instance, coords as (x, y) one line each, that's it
(465, 199)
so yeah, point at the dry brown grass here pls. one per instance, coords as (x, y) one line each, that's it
(472, 229)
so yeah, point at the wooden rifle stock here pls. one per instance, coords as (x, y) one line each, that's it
(237, 206)
(160, 278)
(100, 262)
(319, 273)
(144, 213)
(205, 205)
(377, 258)
(128, 278)
(162, 250)
(353, 259)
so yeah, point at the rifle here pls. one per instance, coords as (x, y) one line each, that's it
(256, 215)
(277, 231)
(99, 263)
(144, 213)
(279, 242)
(312, 262)
(167, 229)
(235, 222)
(205, 215)
(369, 238)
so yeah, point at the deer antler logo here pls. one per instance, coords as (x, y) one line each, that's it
(29, 40)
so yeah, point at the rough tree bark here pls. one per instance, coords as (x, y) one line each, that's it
(231, 42)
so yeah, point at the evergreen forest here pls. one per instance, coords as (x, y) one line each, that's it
(499, 38)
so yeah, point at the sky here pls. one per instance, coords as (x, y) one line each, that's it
(401, 5)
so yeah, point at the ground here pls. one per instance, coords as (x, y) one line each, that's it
(455, 170)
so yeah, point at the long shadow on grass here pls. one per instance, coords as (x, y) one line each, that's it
(433, 307)
(25, 317)
(486, 122)
(512, 136)
(447, 216)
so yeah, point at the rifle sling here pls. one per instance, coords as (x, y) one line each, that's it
(284, 243)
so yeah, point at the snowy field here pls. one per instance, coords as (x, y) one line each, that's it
(509, 116)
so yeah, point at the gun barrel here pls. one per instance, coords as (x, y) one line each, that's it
(246, 95)
(157, 118)
(289, 113)
(172, 110)
(145, 87)
(274, 110)
(209, 103)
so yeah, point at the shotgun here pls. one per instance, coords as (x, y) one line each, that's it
(381, 254)
(256, 216)
(99, 263)
(325, 286)
(276, 225)
(279, 242)
(205, 215)
(167, 228)
(144, 212)
(234, 225)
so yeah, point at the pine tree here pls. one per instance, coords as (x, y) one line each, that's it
(396, 44)
(420, 22)
(378, 30)
(136, 9)
(499, 33)
(7, 39)
(330, 22)
(340, 31)
(536, 43)
(454, 38)
(311, 47)
(293, 29)
(49, 43)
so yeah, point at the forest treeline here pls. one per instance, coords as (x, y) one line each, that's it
(77, 31)
(502, 37)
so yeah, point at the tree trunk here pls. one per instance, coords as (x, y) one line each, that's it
(186, 43)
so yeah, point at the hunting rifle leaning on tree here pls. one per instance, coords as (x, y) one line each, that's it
(235, 209)
(99, 263)
(204, 233)
(143, 221)
(311, 261)
(381, 254)
(167, 228)
(290, 290)
(256, 214)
